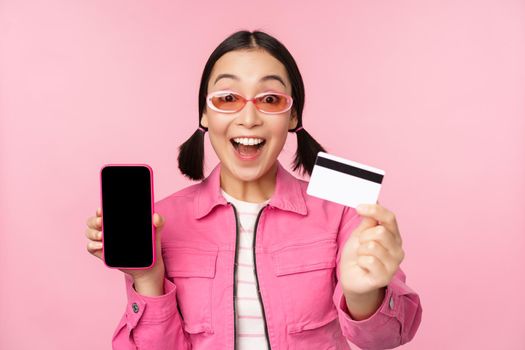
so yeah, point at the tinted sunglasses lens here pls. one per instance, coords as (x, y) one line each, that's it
(272, 103)
(227, 102)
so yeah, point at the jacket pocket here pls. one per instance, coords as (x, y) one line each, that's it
(306, 278)
(192, 267)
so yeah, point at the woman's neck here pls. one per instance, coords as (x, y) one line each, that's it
(255, 191)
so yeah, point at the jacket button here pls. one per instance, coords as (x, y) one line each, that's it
(391, 303)
(135, 307)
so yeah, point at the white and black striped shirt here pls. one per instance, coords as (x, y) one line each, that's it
(250, 322)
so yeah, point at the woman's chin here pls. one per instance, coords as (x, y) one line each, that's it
(247, 173)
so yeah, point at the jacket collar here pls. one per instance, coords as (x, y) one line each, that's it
(287, 195)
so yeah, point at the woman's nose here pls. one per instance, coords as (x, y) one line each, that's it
(249, 115)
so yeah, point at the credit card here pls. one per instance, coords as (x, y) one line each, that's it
(344, 181)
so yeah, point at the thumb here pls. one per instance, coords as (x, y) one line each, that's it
(158, 221)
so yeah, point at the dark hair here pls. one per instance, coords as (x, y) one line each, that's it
(191, 152)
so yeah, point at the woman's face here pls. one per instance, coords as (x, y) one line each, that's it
(248, 72)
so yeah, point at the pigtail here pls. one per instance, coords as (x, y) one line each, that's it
(191, 156)
(307, 149)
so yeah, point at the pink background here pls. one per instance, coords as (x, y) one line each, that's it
(430, 91)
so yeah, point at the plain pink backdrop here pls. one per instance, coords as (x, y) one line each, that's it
(430, 91)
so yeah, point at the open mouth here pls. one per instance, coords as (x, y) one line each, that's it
(238, 145)
(247, 150)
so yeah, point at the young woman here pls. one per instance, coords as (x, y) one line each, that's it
(249, 260)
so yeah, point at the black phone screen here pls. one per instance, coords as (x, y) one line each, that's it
(126, 192)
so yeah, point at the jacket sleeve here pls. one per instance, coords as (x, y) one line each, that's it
(150, 322)
(395, 322)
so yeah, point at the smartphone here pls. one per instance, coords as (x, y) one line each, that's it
(128, 233)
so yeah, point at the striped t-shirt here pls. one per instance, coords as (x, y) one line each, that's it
(250, 322)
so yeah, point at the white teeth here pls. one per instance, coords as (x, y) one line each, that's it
(248, 141)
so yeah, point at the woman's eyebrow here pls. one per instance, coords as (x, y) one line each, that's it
(265, 78)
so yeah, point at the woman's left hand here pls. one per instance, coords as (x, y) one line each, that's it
(372, 253)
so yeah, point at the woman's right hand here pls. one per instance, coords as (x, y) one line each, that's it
(148, 281)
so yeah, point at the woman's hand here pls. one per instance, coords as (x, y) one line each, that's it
(147, 278)
(372, 254)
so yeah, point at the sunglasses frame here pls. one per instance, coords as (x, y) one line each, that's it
(210, 104)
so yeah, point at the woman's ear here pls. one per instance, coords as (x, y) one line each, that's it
(293, 120)
(204, 120)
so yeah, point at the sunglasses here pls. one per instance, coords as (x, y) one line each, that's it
(226, 101)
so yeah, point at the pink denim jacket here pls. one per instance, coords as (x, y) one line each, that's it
(298, 241)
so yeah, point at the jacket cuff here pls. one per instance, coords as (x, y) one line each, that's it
(391, 307)
(379, 317)
(149, 309)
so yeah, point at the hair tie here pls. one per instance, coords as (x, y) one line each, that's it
(202, 129)
(299, 128)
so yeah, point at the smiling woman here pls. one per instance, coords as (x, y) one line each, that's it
(250, 260)
(252, 67)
